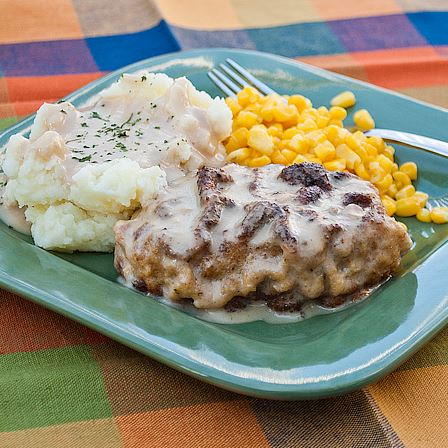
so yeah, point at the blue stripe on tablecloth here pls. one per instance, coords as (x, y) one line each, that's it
(46, 58)
(309, 39)
(377, 33)
(85, 55)
(189, 38)
(112, 52)
(102, 53)
(432, 25)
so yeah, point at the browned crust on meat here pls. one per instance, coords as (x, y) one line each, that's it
(277, 268)
(306, 174)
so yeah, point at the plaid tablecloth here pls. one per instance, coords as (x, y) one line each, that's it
(63, 385)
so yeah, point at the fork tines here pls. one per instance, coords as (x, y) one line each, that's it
(231, 78)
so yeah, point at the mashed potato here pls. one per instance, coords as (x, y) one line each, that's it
(81, 170)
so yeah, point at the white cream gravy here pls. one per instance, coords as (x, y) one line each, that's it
(14, 217)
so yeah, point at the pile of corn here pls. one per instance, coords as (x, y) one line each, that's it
(288, 129)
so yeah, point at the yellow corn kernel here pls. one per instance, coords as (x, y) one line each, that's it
(278, 157)
(299, 144)
(290, 133)
(279, 126)
(307, 125)
(231, 144)
(341, 136)
(311, 113)
(363, 119)
(406, 192)
(283, 144)
(394, 168)
(300, 102)
(376, 171)
(409, 168)
(351, 158)
(284, 113)
(246, 119)
(316, 137)
(267, 113)
(237, 139)
(233, 105)
(323, 111)
(239, 155)
(325, 151)
(247, 96)
(389, 205)
(378, 142)
(407, 206)
(240, 135)
(361, 171)
(337, 123)
(259, 139)
(321, 121)
(389, 152)
(424, 215)
(344, 99)
(352, 141)
(384, 184)
(259, 161)
(361, 153)
(332, 133)
(253, 107)
(274, 131)
(300, 159)
(385, 163)
(338, 113)
(335, 165)
(401, 178)
(421, 197)
(276, 141)
(360, 137)
(439, 215)
(392, 191)
(288, 154)
(290, 123)
(372, 152)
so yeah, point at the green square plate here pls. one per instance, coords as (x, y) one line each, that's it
(323, 356)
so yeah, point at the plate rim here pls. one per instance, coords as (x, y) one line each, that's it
(252, 387)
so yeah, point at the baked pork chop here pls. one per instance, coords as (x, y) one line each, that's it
(274, 232)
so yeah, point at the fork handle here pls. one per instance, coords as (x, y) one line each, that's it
(416, 141)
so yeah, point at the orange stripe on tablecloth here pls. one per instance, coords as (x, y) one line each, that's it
(437, 94)
(396, 68)
(46, 87)
(224, 425)
(268, 13)
(347, 9)
(414, 402)
(4, 95)
(197, 14)
(339, 63)
(27, 327)
(442, 50)
(404, 67)
(7, 110)
(38, 20)
(86, 434)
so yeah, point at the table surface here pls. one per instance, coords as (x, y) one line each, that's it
(63, 385)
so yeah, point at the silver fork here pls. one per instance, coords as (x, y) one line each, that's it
(231, 77)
